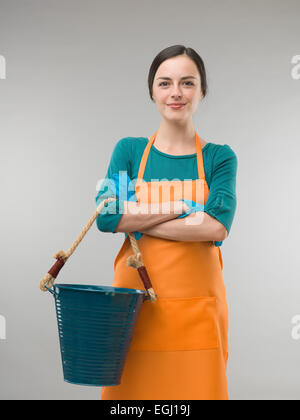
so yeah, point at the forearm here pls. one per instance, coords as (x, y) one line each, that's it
(137, 216)
(198, 226)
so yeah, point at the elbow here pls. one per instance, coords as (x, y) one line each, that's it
(101, 225)
(222, 233)
(218, 230)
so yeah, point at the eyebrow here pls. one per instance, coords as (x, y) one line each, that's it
(183, 78)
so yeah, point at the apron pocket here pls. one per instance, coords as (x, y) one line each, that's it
(171, 324)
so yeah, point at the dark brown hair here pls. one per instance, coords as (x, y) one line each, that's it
(173, 51)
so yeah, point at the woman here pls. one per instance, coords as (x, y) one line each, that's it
(179, 348)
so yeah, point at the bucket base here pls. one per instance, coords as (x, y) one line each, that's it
(77, 383)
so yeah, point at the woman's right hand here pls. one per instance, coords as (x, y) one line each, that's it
(182, 207)
(174, 207)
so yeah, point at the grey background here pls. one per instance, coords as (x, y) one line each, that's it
(77, 83)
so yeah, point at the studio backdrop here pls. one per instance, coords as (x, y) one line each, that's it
(73, 82)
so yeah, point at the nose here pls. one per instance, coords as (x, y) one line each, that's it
(176, 92)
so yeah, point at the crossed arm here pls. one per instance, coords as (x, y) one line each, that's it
(153, 221)
(198, 226)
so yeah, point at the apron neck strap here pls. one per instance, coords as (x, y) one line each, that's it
(201, 173)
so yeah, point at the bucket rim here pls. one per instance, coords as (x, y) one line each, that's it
(98, 288)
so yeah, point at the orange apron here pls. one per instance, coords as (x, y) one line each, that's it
(179, 348)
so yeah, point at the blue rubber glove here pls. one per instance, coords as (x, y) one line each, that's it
(193, 208)
(121, 182)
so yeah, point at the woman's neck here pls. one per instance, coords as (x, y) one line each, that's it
(176, 139)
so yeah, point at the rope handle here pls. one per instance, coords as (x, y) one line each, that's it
(134, 261)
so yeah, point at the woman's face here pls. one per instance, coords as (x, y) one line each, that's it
(171, 85)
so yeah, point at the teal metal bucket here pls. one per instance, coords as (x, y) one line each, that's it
(95, 327)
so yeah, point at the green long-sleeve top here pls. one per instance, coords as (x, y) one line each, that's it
(220, 167)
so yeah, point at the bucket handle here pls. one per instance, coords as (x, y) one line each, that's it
(134, 261)
(51, 290)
